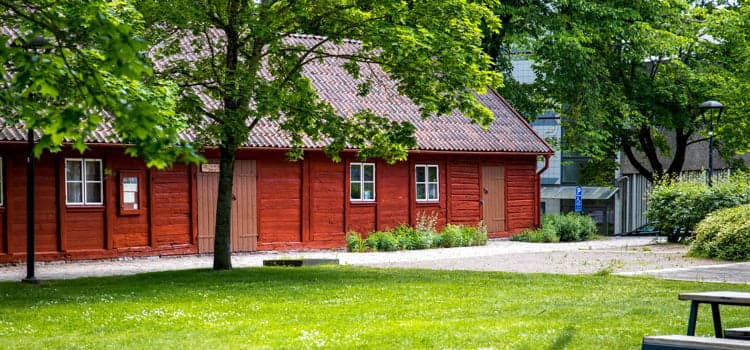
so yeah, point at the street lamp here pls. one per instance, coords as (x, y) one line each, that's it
(711, 114)
(38, 42)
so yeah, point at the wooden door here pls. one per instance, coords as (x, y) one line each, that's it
(493, 198)
(244, 236)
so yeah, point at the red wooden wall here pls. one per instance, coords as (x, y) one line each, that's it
(164, 224)
(306, 204)
(300, 204)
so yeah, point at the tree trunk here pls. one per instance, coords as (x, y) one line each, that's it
(222, 247)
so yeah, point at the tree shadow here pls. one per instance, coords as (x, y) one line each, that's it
(563, 339)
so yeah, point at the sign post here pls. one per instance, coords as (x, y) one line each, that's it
(579, 199)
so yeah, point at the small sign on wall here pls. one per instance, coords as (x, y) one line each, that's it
(210, 168)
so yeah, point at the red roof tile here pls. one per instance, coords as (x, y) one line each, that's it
(509, 132)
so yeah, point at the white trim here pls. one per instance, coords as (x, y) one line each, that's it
(361, 181)
(427, 183)
(84, 181)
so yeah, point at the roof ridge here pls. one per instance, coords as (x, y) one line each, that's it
(322, 37)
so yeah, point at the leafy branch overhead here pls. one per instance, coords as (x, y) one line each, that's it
(629, 76)
(241, 67)
(247, 59)
(74, 67)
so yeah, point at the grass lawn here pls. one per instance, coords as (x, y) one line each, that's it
(348, 307)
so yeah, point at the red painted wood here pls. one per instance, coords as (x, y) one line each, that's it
(326, 198)
(279, 189)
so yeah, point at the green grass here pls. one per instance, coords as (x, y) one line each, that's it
(346, 307)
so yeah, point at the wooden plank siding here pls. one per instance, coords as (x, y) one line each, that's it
(293, 205)
(65, 232)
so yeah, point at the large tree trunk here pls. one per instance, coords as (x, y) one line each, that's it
(222, 247)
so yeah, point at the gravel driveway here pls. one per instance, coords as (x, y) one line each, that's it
(616, 255)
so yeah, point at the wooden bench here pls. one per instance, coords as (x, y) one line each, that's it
(686, 342)
(738, 333)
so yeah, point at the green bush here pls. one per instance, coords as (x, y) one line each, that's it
(571, 227)
(421, 237)
(381, 241)
(542, 235)
(354, 242)
(451, 237)
(724, 234)
(676, 206)
(410, 238)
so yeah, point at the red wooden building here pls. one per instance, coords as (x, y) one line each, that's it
(104, 204)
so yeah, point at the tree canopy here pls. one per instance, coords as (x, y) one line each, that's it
(243, 59)
(628, 75)
(71, 67)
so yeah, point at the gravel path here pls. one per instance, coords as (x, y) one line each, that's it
(617, 255)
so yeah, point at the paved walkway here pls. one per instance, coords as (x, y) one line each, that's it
(621, 255)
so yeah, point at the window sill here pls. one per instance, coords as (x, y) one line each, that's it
(85, 208)
(428, 203)
(363, 203)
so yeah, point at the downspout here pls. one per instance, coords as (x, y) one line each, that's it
(537, 207)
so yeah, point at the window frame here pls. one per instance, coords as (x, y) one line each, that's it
(84, 181)
(361, 181)
(126, 209)
(427, 183)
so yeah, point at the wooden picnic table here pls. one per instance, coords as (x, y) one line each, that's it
(715, 299)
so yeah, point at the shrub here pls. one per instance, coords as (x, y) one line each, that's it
(354, 242)
(724, 234)
(409, 238)
(452, 237)
(426, 222)
(570, 227)
(478, 233)
(542, 235)
(676, 206)
(381, 241)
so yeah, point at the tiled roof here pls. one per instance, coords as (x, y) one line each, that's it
(509, 132)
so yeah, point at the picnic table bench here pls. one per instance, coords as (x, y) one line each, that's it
(736, 338)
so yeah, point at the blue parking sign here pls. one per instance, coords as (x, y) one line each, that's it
(579, 199)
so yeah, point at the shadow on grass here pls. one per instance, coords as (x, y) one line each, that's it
(563, 339)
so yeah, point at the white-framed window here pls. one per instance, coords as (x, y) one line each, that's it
(426, 177)
(362, 182)
(83, 181)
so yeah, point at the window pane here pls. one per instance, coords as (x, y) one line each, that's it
(75, 193)
(356, 192)
(433, 174)
(420, 174)
(369, 191)
(421, 191)
(369, 172)
(433, 191)
(93, 193)
(93, 171)
(73, 170)
(356, 174)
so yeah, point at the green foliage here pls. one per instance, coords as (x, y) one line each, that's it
(676, 206)
(381, 241)
(90, 70)
(354, 242)
(571, 227)
(410, 238)
(625, 74)
(542, 235)
(248, 63)
(724, 234)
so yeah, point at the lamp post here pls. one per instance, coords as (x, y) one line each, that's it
(711, 114)
(36, 43)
